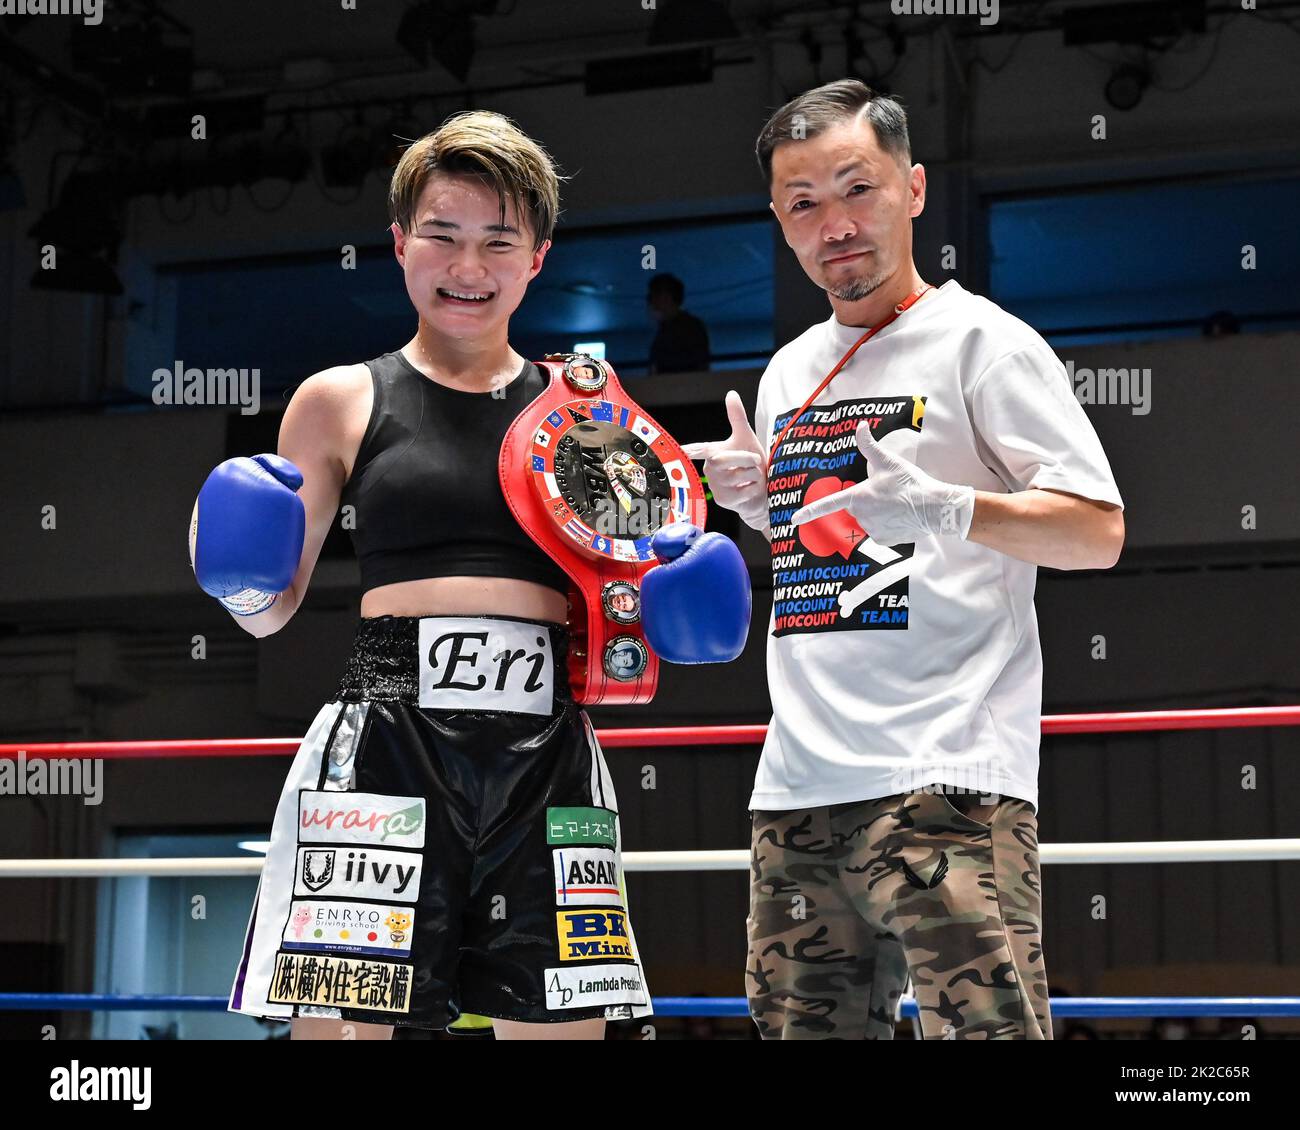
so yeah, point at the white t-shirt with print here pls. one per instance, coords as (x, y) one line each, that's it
(894, 667)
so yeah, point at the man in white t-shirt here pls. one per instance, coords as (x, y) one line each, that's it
(908, 507)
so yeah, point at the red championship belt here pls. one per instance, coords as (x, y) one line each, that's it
(591, 477)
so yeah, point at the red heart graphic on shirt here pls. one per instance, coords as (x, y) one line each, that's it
(831, 533)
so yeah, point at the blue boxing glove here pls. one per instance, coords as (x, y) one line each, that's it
(696, 603)
(246, 532)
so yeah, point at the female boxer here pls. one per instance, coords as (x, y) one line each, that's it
(446, 842)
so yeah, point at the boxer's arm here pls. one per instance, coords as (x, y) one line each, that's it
(312, 437)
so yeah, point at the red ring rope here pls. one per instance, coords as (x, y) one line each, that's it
(669, 736)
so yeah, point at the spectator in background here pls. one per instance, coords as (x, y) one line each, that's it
(682, 343)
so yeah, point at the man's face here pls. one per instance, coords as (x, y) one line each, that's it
(465, 271)
(845, 208)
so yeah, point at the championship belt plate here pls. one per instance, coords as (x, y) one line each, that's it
(591, 477)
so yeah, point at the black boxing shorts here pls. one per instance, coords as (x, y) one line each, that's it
(446, 842)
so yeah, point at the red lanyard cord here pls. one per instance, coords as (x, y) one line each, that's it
(901, 308)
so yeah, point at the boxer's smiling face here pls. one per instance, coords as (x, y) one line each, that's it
(845, 207)
(466, 268)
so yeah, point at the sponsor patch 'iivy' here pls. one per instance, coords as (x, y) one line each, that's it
(358, 872)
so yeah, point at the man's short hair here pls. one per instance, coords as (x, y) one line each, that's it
(670, 285)
(489, 146)
(816, 110)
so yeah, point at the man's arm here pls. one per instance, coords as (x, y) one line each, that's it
(1024, 411)
(1049, 527)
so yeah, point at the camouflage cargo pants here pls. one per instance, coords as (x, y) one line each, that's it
(847, 900)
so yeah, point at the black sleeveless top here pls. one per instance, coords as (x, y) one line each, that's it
(425, 487)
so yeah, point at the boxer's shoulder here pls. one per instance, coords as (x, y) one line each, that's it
(336, 385)
(333, 408)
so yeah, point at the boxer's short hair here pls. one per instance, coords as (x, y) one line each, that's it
(489, 146)
(816, 110)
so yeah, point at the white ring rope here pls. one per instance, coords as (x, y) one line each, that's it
(1150, 851)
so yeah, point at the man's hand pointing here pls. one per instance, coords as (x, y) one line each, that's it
(898, 502)
(736, 467)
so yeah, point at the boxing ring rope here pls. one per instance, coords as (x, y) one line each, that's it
(1062, 1007)
(737, 859)
(1230, 718)
(1165, 851)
